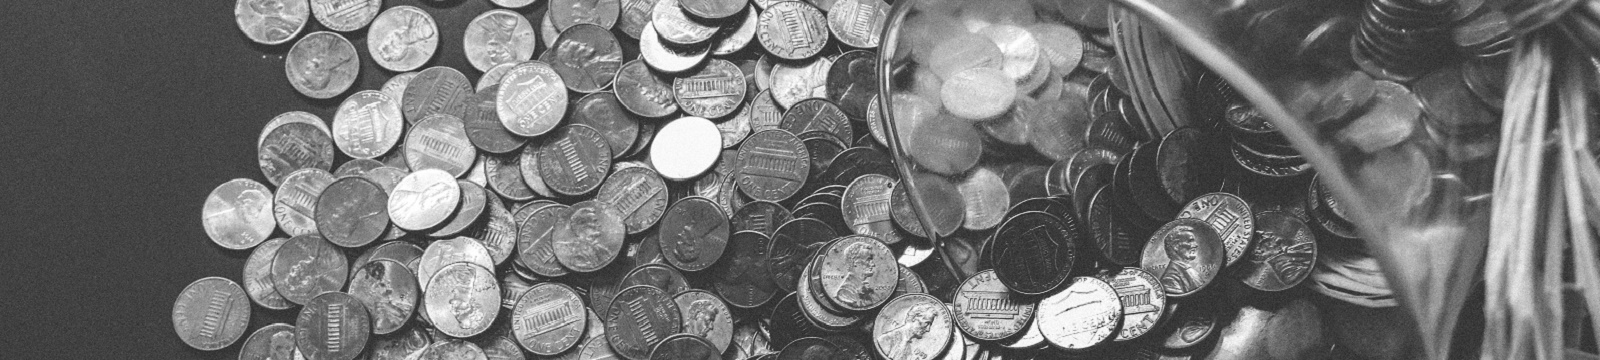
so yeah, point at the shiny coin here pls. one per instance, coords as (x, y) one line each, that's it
(536, 241)
(817, 115)
(423, 199)
(1039, 251)
(706, 316)
(713, 92)
(367, 124)
(772, 165)
(345, 15)
(603, 111)
(858, 23)
(643, 92)
(1083, 315)
(714, 9)
(238, 214)
(322, 65)
(686, 347)
(1229, 216)
(635, 16)
(295, 202)
(307, 266)
(271, 342)
(963, 52)
(1283, 255)
(389, 292)
(639, 194)
(658, 276)
(549, 319)
(395, 87)
(1019, 50)
(857, 273)
(945, 145)
(793, 30)
(291, 147)
(574, 161)
(403, 38)
(672, 23)
(493, 76)
(852, 81)
(333, 325)
(483, 125)
(694, 233)
(474, 202)
(986, 310)
(442, 253)
(258, 276)
(1143, 302)
(436, 90)
(565, 14)
(743, 276)
(793, 82)
(271, 22)
(665, 58)
(685, 148)
(462, 299)
(512, 3)
(586, 56)
(985, 199)
(1060, 46)
(913, 326)
(590, 238)
(211, 313)
(865, 206)
(352, 212)
(532, 99)
(291, 117)
(1186, 254)
(499, 37)
(643, 316)
(732, 39)
(453, 349)
(978, 93)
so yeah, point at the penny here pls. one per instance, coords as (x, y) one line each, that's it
(590, 237)
(978, 93)
(772, 165)
(306, 266)
(685, 148)
(493, 76)
(1191, 325)
(473, 204)
(857, 273)
(796, 81)
(292, 147)
(759, 216)
(793, 30)
(595, 348)
(586, 56)
(1184, 166)
(643, 92)
(945, 145)
(821, 148)
(604, 112)
(639, 193)
(258, 276)
(442, 253)
(668, 59)
(792, 250)
(1143, 302)
(714, 91)
(857, 23)
(532, 99)
(645, 316)
(271, 22)
(764, 112)
(686, 347)
(498, 37)
(714, 9)
(483, 126)
(345, 16)
(1062, 46)
(788, 326)
(530, 171)
(424, 199)
(916, 252)
(943, 203)
(211, 313)
(1083, 315)
(852, 81)
(352, 212)
(1229, 216)
(333, 325)
(462, 299)
(407, 344)
(1040, 251)
(565, 14)
(367, 124)
(271, 342)
(672, 23)
(291, 117)
(500, 348)
(296, 200)
(536, 241)
(322, 65)
(811, 306)
(962, 52)
(743, 276)
(1185, 254)
(395, 87)
(238, 214)
(436, 90)
(453, 349)
(574, 161)
(985, 309)
(865, 207)
(658, 276)
(397, 251)
(735, 128)
(389, 292)
(810, 348)
(827, 211)
(1019, 49)
(817, 115)
(402, 38)
(913, 326)
(512, 286)
(635, 16)
(1283, 255)
(440, 141)
(732, 39)
(1113, 236)
(548, 319)
(1031, 337)
(985, 199)
(707, 317)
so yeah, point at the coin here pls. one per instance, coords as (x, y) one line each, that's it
(796, 81)
(291, 117)
(1186, 254)
(865, 207)
(258, 276)
(658, 276)
(306, 266)
(978, 93)
(530, 172)
(1192, 323)
(945, 145)
(574, 161)
(1283, 255)
(454, 349)
(271, 22)
(714, 91)
(743, 275)
(395, 87)
(536, 241)
(436, 90)
(498, 37)
(402, 38)
(685, 346)
(912, 326)
(985, 199)
(1229, 216)
(852, 81)
(1143, 302)
(345, 15)
(423, 199)
(238, 214)
(352, 212)
(759, 216)
(644, 92)
(499, 348)
(590, 238)
(407, 344)
(333, 325)
(734, 129)
(604, 112)
(645, 316)
(474, 202)
(685, 148)
(707, 317)
(985, 309)
(291, 147)
(221, 321)
(462, 299)
(389, 292)
(639, 194)
(532, 99)
(857, 273)
(672, 23)
(764, 112)
(586, 56)
(962, 52)
(732, 39)
(772, 165)
(565, 14)
(322, 65)
(367, 124)
(549, 319)
(714, 9)
(1044, 248)
(271, 342)
(793, 30)
(635, 17)
(1061, 46)
(817, 115)
(694, 233)
(484, 128)
(1083, 315)
(295, 201)
(857, 23)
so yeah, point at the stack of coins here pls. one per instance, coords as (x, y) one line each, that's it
(1402, 39)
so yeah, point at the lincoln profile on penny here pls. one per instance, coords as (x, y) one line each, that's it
(897, 341)
(855, 288)
(1181, 250)
(318, 70)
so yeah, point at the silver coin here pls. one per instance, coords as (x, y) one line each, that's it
(345, 15)
(307, 266)
(423, 199)
(291, 117)
(271, 22)
(668, 59)
(532, 99)
(499, 37)
(403, 38)
(462, 299)
(857, 23)
(333, 326)
(271, 342)
(388, 290)
(685, 148)
(238, 214)
(395, 87)
(566, 13)
(294, 205)
(674, 26)
(735, 38)
(322, 65)
(292, 147)
(445, 252)
(211, 313)
(258, 276)
(713, 92)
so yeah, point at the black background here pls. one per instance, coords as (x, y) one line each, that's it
(119, 117)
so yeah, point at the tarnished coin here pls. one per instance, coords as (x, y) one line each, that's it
(443, 253)
(666, 58)
(732, 39)
(296, 200)
(352, 212)
(857, 273)
(658, 276)
(744, 275)
(367, 124)
(532, 99)
(462, 299)
(483, 125)
(291, 147)
(706, 316)
(1283, 255)
(817, 115)
(773, 165)
(985, 199)
(643, 92)
(1191, 324)
(1143, 302)
(713, 92)
(474, 202)
(499, 37)
(549, 319)
(565, 14)
(642, 317)
(453, 349)
(307, 266)
(536, 241)
(1184, 167)
(672, 23)
(765, 114)
(211, 313)
(345, 15)
(604, 112)
(797, 81)
(271, 342)
(1229, 216)
(694, 233)
(574, 161)
(271, 22)
(1083, 315)
(759, 216)
(333, 325)
(985, 310)
(685, 347)
(852, 80)
(322, 64)
(793, 30)
(913, 326)
(586, 56)
(685, 148)
(238, 214)
(389, 291)
(590, 238)
(398, 251)
(639, 193)
(258, 276)
(858, 23)
(423, 199)
(1038, 251)
(1113, 235)
(1186, 254)
(436, 90)
(403, 38)
(865, 206)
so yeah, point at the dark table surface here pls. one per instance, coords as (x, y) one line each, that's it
(120, 118)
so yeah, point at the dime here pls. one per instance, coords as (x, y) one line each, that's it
(668, 59)
(258, 276)
(402, 38)
(271, 342)
(1186, 254)
(793, 30)
(462, 299)
(389, 292)
(857, 273)
(706, 316)
(1229, 216)
(1143, 302)
(985, 199)
(532, 99)
(548, 319)
(352, 212)
(865, 207)
(211, 313)
(985, 309)
(345, 15)
(436, 90)
(852, 80)
(424, 199)
(772, 165)
(685, 148)
(686, 347)
(367, 125)
(645, 316)
(454, 349)
(333, 325)
(793, 82)
(565, 14)
(271, 22)
(395, 87)
(499, 37)
(639, 194)
(643, 92)
(1083, 315)
(604, 112)
(658, 276)
(1283, 255)
(857, 23)
(978, 93)
(759, 216)
(732, 39)
(743, 276)
(713, 92)
(586, 56)
(590, 238)
(292, 147)
(913, 326)
(574, 161)
(238, 214)
(536, 241)
(1039, 251)
(817, 115)
(322, 65)
(672, 23)
(474, 201)
(694, 233)
(295, 201)
(307, 266)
